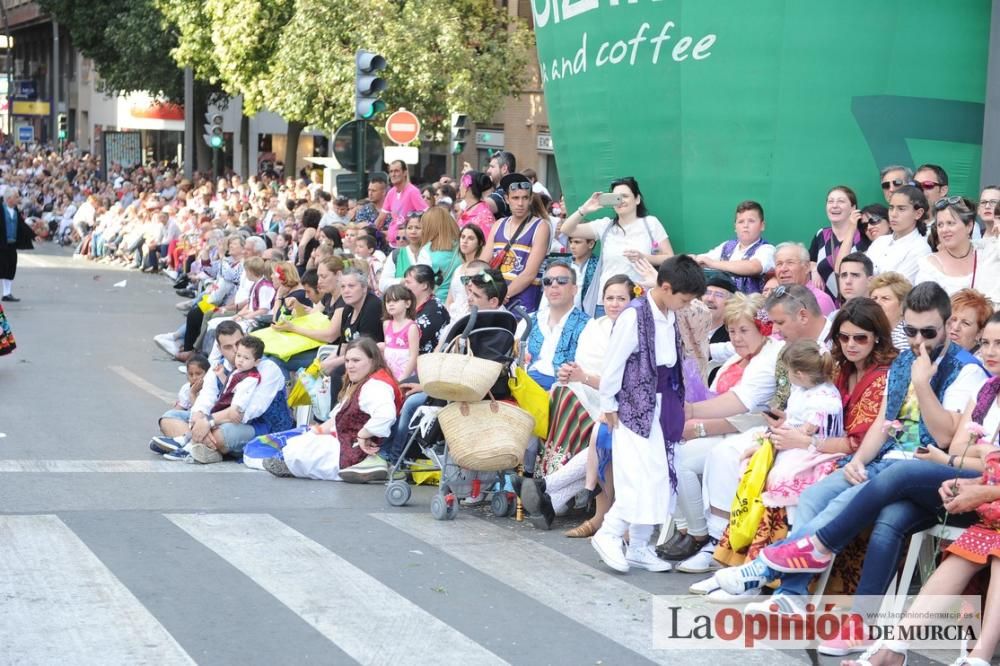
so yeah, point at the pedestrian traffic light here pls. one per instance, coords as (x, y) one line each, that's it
(368, 85)
(213, 130)
(459, 132)
(63, 125)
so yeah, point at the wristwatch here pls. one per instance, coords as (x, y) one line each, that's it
(699, 429)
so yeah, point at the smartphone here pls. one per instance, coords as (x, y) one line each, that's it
(922, 450)
(609, 199)
(770, 414)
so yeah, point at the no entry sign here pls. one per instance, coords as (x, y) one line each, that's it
(402, 127)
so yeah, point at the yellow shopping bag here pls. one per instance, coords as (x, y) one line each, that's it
(284, 344)
(205, 305)
(532, 398)
(748, 508)
(299, 395)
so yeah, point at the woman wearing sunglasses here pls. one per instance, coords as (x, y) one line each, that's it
(862, 351)
(955, 265)
(631, 234)
(874, 221)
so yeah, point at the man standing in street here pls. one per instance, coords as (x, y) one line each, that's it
(402, 199)
(15, 234)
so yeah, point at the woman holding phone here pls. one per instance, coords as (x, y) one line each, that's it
(630, 235)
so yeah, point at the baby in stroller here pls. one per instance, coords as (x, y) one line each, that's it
(490, 333)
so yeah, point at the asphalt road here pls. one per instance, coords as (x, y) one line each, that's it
(110, 555)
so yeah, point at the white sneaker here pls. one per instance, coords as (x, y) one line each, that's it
(183, 369)
(205, 455)
(720, 596)
(184, 306)
(702, 561)
(645, 558)
(611, 550)
(168, 343)
(706, 586)
(778, 604)
(737, 580)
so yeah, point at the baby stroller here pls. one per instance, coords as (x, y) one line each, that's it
(490, 334)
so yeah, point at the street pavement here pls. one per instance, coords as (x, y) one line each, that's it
(110, 555)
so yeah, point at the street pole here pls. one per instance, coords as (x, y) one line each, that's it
(189, 128)
(54, 107)
(360, 131)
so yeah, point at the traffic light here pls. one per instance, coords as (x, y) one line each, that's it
(459, 132)
(368, 85)
(63, 126)
(213, 130)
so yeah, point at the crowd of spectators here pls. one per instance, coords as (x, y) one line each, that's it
(861, 356)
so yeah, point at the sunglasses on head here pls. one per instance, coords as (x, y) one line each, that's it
(561, 280)
(521, 185)
(895, 182)
(483, 277)
(859, 338)
(926, 332)
(944, 203)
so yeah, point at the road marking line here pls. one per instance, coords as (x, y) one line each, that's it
(141, 383)
(340, 600)
(116, 467)
(603, 602)
(60, 604)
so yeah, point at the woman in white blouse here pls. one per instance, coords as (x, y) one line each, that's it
(955, 264)
(345, 447)
(632, 234)
(901, 250)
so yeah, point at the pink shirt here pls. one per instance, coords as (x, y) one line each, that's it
(826, 304)
(398, 205)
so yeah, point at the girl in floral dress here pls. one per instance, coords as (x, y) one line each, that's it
(6, 337)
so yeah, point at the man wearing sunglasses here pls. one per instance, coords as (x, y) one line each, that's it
(928, 387)
(893, 178)
(555, 332)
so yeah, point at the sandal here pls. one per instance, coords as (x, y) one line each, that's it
(899, 647)
(582, 531)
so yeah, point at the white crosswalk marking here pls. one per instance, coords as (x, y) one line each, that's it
(117, 467)
(606, 603)
(60, 605)
(341, 601)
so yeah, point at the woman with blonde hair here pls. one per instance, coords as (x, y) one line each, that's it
(439, 247)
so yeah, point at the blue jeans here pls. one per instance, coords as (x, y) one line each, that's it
(899, 502)
(393, 446)
(295, 363)
(818, 505)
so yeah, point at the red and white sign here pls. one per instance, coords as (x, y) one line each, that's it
(402, 127)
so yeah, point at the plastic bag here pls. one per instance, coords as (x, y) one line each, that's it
(748, 507)
(533, 399)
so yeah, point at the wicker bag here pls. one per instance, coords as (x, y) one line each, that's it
(486, 436)
(456, 377)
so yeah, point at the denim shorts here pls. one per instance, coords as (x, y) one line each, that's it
(179, 414)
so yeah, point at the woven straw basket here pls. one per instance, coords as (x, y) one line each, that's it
(456, 377)
(487, 436)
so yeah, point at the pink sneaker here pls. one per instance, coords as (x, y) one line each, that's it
(853, 638)
(795, 557)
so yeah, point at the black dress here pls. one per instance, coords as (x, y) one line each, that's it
(9, 247)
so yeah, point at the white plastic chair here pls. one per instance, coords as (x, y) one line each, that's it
(920, 555)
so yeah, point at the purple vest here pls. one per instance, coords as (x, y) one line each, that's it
(642, 380)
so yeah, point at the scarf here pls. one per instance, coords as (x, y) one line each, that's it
(566, 346)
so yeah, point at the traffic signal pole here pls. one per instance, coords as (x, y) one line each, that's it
(368, 86)
(360, 130)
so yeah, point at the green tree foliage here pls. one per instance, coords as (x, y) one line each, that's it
(127, 41)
